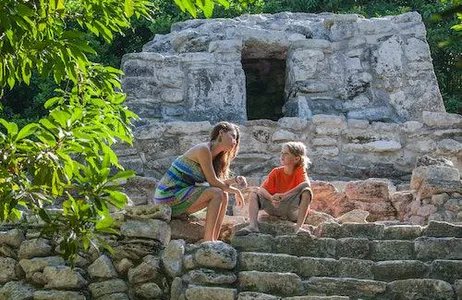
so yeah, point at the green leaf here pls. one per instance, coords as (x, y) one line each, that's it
(44, 215)
(60, 6)
(223, 3)
(129, 8)
(208, 8)
(11, 81)
(26, 71)
(118, 199)
(11, 127)
(179, 3)
(122, 175)
(51, 102)
(23, 10)
(106, 222)
(189, 6)
(27, 130)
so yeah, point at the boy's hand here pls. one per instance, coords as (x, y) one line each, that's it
(277, 197)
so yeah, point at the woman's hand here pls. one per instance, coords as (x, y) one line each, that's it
(239, 199)
(241, 182)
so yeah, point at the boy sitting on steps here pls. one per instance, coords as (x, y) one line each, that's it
(285, 191)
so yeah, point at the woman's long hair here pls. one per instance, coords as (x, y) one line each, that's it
(222, 161)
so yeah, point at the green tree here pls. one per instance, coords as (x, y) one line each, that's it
(66, 156)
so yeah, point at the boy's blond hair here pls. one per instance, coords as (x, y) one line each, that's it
(298, 149)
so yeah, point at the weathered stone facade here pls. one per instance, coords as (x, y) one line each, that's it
(360, 93)
(370, 69)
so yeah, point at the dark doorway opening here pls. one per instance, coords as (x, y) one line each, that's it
(265, 81)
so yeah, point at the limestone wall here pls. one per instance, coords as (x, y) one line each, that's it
(345, 154)
(340, 148)
(373, 69)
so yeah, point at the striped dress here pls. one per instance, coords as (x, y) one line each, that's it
(178, 188)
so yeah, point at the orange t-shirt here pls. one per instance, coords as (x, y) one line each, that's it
(279, 182)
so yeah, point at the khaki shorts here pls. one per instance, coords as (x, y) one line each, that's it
(288, 208)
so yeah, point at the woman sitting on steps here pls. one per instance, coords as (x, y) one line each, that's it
(205, 162)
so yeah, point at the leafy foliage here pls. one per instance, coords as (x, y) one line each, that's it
(65, 156)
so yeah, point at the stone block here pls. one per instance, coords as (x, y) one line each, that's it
(216, 255)
(12, 238)
(147, 271)
(17, 290)
(442, 229)
(59, 295)
(35, 248)
(440, 119)
(210, 293)
(420, 289)
(353, 248)
(102, 268)
(256, 296)
(282, 284)
(149, 229)
(372, 231)
(62, 278)
(399, 270)
(305, 245)
(355, 268)
(253, 242)
(209, 277)
(345, 286)
(367, 191)
(429, 248)
(268, 262)
(37, 264)
(392, 250)
(319, 267)
(7, 269)
(447, 270)
(101, 288)
(172, 258)
(402, 232)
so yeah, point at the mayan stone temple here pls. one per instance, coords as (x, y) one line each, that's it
(361, 94)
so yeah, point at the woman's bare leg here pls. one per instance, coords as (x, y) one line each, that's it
(212, 199)
(221, 216)
(303, 209)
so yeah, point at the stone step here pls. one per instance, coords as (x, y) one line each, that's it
(275, 283)
(290, 285)
(371, 231)
(422, 248)
(380, 290)
(306, 267)
(263, 296)
(378, 231)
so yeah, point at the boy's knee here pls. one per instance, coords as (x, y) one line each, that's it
(306, 196)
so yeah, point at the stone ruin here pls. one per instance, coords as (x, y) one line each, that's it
(386, 161)
(360, 93)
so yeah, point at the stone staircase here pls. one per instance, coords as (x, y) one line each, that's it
(351, 261)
